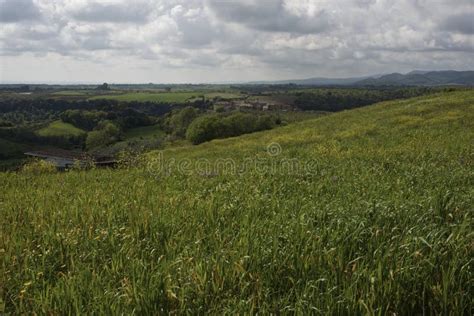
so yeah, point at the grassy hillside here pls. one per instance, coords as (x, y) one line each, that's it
(59, 128)
(368, 211)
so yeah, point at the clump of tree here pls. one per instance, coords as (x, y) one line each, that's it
(86, 120)
(106, 133)
(103, 87)
(177, 123)
(332, 100)
(215, 126)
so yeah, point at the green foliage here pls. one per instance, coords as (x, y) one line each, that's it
(86, 120)
(333, 100)
(178, 122)
(38, 167)
(106, 133)
(214, 126)
(382, 224)
(9, 149)
(145, 132)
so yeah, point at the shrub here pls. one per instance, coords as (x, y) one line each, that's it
(106, 134)
(214, 126)
(38, 167)
(179, 122)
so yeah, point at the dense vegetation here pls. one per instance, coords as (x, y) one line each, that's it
(37, 116)
(215, 126)
(378, 222)
(333, 100)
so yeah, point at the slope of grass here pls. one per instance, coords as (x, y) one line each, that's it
(374, 217)
(60, 128)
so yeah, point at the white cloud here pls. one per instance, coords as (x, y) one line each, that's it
(208, 40)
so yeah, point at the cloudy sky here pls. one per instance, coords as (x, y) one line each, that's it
(228, 40)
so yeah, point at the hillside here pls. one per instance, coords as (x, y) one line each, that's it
(420, 78)
(367, 211)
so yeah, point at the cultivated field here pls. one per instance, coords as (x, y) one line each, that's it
(169, 97)
(367, 211)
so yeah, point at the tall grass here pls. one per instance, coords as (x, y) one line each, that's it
(382, 224)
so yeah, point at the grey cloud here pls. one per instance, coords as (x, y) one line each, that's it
(18, 10)
(462, 23)
(292, 38)
(115, 13)
(269, 16)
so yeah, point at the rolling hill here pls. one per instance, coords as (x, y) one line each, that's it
(421, 78)
(367, 211)
(413, 78)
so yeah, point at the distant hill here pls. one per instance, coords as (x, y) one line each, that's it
(422, 78)
(316, 81)
(413, 78)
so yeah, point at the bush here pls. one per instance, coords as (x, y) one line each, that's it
(38, 167)
(179, 122)
(214, 126)
(106, 134)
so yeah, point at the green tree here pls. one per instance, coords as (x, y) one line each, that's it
(106, 133)
(180, 121)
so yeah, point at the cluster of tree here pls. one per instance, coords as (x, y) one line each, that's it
(333, 100)
(212, 126)
(177, 122)
(56, 105)
(28, 135)
(105, 133)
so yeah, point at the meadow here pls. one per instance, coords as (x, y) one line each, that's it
(169, 97)
(367, 211)
(60, 128)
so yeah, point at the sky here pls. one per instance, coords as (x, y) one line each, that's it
(199, 41)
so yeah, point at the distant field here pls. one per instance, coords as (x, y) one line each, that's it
(59, 128)
(153, 131)
(223, 95)
(275, 98)
(171, 97)
(71, 93)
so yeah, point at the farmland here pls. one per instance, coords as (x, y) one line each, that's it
(375, 216)
(178, 97)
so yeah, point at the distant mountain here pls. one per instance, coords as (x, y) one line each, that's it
(317, 81)
(413, 78)
(422, 78)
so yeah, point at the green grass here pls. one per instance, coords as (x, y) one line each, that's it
(73, 92)
(171, 97)
(59, 128)
(379, 222)
(223, 95)
(144, 132)
(168, 97)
